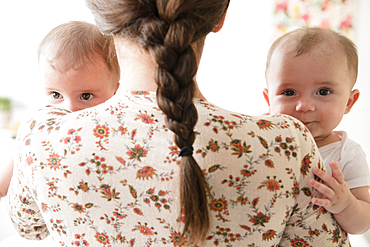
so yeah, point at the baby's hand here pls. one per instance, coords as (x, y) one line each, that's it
(336, 194)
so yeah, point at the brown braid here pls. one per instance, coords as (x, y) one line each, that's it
(167, 29)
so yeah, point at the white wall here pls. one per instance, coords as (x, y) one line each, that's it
(231, 73)
(357, 121)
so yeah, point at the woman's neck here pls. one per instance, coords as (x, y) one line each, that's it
(137, 69)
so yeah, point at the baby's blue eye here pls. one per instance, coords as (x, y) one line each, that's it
(87, 96)
(324, 92)
(56, 95)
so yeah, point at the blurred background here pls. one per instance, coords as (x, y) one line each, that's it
(231, 73)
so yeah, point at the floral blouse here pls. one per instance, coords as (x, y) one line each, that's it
(108, 176)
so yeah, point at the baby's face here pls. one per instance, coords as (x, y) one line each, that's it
(314, 88)
(78, 89)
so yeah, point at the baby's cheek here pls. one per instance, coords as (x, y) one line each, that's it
(285, 107)
(278, 109)
(50, 101)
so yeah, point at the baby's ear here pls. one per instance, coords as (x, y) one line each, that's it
(353, 97)
(117, 88)
(266, 95)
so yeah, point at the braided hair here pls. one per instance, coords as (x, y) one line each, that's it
(168, 30)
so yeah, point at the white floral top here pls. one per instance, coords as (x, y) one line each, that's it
(108, 176)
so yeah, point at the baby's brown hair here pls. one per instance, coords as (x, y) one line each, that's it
(73, 44)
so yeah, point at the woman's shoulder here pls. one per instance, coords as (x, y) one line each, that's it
(262, 124)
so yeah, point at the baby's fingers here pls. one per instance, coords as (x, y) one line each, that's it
(336, 172)
(329, 180)
(321, 202)
(323, 189)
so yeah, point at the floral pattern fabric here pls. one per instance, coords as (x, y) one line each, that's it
(108, 176)
(334, 14)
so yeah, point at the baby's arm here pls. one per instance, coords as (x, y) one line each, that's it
(5, 177)
(351, 208)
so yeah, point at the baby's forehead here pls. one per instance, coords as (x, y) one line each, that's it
(327, 47)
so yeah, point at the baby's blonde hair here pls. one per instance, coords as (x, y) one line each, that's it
(73, 44)
(304, 40)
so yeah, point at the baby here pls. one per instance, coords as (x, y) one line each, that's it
(80, 70)
(310, 74)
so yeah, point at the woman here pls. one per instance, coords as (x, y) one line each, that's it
(148, 169)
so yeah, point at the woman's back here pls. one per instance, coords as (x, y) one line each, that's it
(125, 192)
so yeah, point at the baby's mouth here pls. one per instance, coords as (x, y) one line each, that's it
(306, 123)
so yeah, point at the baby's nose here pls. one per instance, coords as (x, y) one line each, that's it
(305, 105)
(70, 105)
